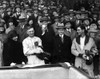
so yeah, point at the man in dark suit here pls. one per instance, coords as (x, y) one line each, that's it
(62, 47)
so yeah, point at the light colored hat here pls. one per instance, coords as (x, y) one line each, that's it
(4, 2)
(93, 26)
(92, 30)
(60, 26)
(22, 16)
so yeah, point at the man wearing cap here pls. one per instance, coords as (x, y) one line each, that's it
(21, 28)
(62, 47)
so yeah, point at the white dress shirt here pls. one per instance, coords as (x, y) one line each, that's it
(82, 41)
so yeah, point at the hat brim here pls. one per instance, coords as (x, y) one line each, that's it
(60, 27)
(93, 31)
(22, 20)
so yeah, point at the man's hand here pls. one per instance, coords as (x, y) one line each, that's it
(85, 57)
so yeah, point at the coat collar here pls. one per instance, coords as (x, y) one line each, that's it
(86, 39)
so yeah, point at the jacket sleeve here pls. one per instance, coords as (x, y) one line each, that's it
(74, 50)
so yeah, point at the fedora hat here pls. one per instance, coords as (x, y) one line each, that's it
(92, 30)
(60, 26)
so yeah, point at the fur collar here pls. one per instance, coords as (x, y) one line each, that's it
(86, 39)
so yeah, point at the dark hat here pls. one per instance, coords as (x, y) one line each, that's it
(29, 10)
(12, 34)
(12, 2)
(44, 19)
(10, 20)
(8, 9)
(22, 20)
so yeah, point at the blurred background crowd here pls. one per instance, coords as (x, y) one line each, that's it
(46, 16)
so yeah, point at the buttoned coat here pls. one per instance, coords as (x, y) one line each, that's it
(62, 50)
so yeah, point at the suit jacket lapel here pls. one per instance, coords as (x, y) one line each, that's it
(78, 40)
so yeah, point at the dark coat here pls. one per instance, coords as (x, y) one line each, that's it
(47, 40)
(13, 52)
(62, 50)
(21, 32)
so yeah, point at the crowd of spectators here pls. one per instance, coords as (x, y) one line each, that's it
(48, 19)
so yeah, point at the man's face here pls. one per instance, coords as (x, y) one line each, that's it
(30, 32)
(68, 25)
(92, 34)
(80, 31)
(93, 25)
(60, 31)
(18, 9)
(22, 23)
(44, 27)
(31, 22)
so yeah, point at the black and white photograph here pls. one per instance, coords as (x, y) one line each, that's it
(49, 39)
